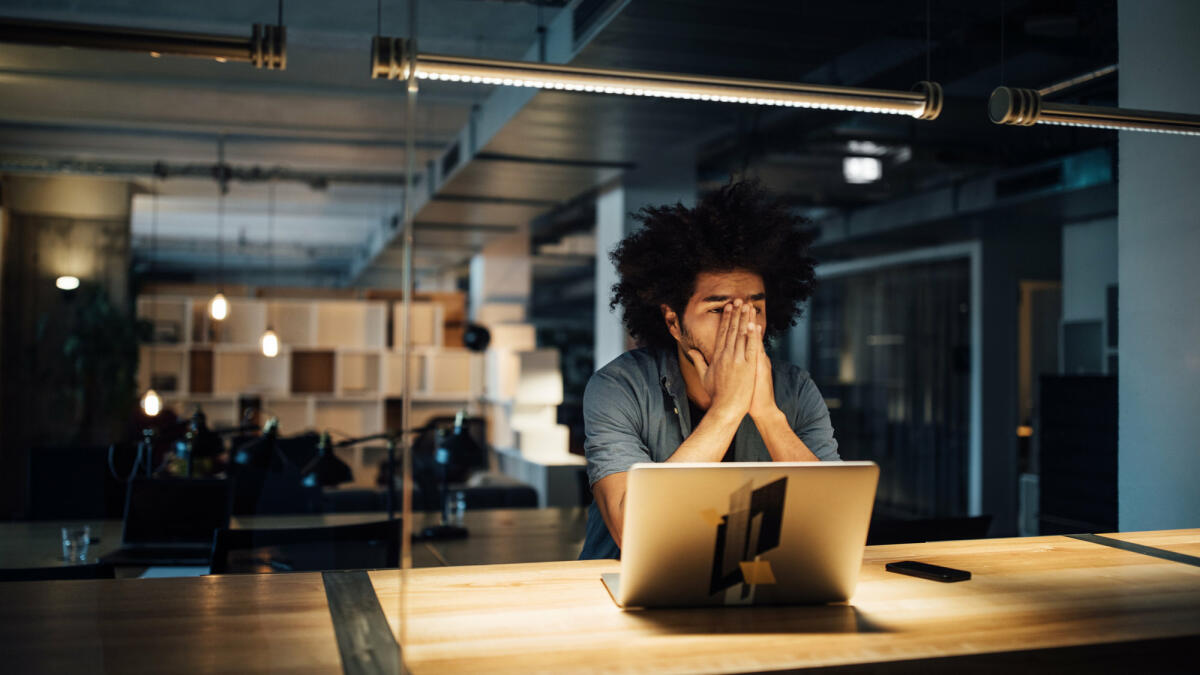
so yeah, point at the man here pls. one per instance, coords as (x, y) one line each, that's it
(701, 289)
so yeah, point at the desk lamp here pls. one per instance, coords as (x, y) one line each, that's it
(325, 470)
(259, 452)
(199, 442)
(451, 446)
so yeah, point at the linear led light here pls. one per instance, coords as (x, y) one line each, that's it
(266, 48)
(1025, 107)
(392, 58)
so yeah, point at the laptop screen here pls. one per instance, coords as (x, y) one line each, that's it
(175, 511)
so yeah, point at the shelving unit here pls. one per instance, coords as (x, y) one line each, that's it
(337, 369)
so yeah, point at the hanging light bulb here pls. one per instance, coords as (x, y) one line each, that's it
(270, 343)
(218, 307)
(151, 403)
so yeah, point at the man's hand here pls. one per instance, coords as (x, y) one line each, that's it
(730, 378)
(763, 404)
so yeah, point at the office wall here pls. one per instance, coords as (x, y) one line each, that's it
(1158, 232)
(1089, 264)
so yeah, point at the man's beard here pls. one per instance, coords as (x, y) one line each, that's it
(687, 344)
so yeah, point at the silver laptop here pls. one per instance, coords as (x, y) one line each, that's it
(743, 534)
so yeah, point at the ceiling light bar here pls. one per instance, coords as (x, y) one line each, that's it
(1025, 107)
(266, 48)
(391, 59)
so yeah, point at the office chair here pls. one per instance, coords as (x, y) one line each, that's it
(362, 546)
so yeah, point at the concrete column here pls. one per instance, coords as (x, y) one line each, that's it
(671, 179)
(53, 226)
(1158, 238)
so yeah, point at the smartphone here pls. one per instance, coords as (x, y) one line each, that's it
(927, 571)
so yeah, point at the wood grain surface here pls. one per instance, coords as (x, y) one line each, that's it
(1026, 594)
(226, 624)
(1186, 542)
(1028, 598)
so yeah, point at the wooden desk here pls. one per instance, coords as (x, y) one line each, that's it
(1043, 593)
(1033, 604)
(1178, 541)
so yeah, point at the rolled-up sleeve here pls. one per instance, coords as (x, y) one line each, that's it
(811, 423)
(612, 426)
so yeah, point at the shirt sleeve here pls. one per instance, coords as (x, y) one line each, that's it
(812, 424)
(612, 426)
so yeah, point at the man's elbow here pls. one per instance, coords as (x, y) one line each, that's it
(610, 497)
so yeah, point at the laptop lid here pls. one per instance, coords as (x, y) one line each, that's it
(175, 511)
(744, 533)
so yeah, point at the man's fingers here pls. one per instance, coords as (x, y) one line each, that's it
(723, 328)
(743, 332)
(754, 342)
(698, 361)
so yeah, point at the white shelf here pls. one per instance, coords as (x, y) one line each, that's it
(220, 411)
(245, 324)
(170, 317)
(342, 344)
(295, 413)
(428, 324)
(249, 372)
(295, 322)
(348, 416)
(159, 361)
(357, 373)
(351, 323)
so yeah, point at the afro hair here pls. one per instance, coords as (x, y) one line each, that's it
(738, 227)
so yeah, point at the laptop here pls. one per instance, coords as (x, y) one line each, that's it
(758, 533)
(170, 521)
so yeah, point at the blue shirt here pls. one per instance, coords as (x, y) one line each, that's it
(635, 409)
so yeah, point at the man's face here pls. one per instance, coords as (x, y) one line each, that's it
(696, 327)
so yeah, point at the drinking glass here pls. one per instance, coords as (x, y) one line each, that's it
(75, 540)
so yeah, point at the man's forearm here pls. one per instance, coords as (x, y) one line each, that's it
(781, 441)
(710, 439)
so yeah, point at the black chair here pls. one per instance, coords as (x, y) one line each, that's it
(363, 546)
(66, 572)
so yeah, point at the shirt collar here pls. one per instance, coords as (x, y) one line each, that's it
(670, 376)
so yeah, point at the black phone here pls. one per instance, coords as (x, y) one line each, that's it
(927, 571)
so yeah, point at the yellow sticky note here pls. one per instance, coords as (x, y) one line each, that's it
(757, 572)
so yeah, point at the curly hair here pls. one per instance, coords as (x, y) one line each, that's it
(739, 226)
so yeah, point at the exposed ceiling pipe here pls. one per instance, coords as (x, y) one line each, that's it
(1073, 82)
(253, 174)
(266, 47)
